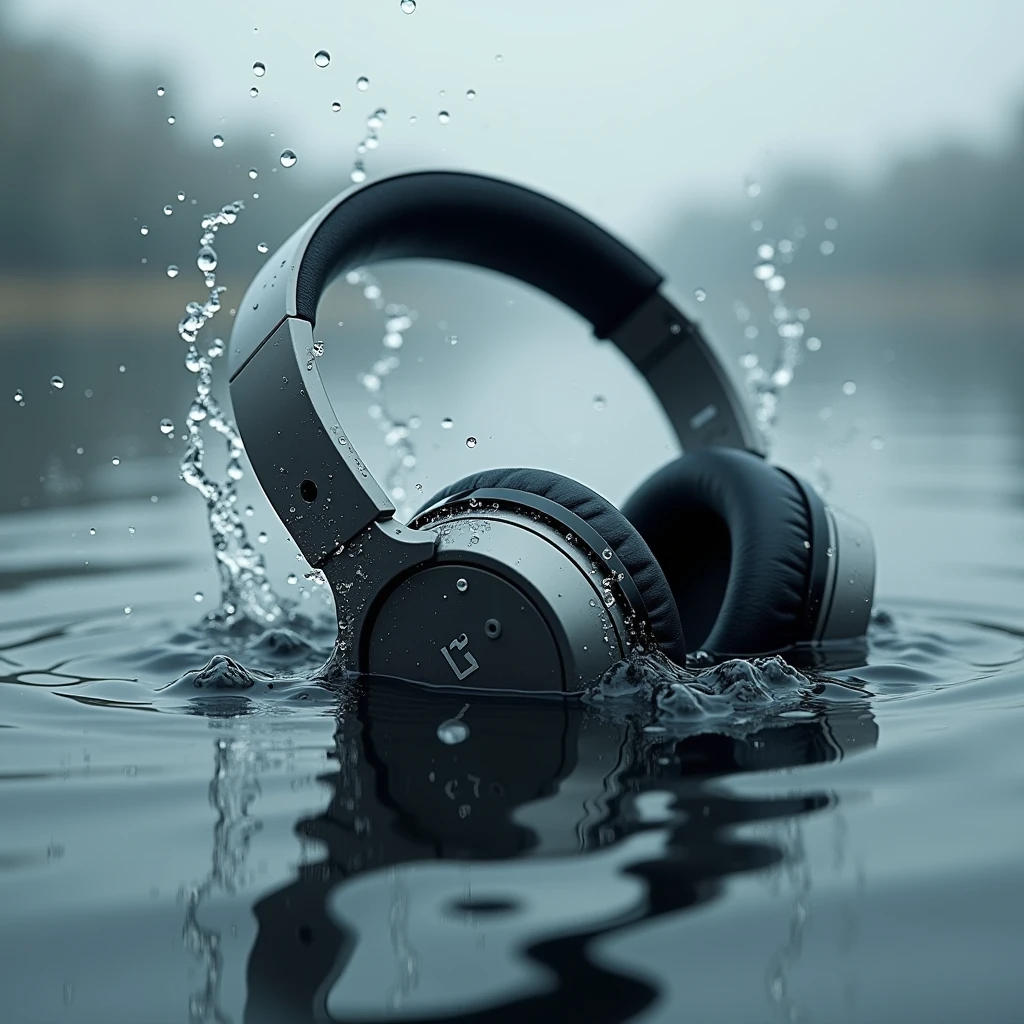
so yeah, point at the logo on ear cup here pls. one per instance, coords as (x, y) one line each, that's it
(458, 644)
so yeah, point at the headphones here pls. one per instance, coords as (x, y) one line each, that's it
(523, 579)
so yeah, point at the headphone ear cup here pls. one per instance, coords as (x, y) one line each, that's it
(610, 523)
(733, 537)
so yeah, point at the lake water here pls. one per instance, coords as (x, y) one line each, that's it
(284, 848)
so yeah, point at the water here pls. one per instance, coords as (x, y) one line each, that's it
(204, 821)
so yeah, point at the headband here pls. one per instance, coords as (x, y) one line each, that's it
(307, 466)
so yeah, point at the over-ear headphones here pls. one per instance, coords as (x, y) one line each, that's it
(521, 578)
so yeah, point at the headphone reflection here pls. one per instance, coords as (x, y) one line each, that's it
(532, 779)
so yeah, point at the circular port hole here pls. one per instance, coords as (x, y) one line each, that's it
(308, 490)
(492, 629)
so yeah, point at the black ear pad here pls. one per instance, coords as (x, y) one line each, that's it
(732, 535)
(610, 523)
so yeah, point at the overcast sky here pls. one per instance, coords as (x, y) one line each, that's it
(623, 107)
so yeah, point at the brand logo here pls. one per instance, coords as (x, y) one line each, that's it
(459, 644)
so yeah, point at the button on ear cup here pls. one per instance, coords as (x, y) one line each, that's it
(610, 523)
(732, 535)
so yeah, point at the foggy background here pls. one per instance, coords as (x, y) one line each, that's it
(891, 134)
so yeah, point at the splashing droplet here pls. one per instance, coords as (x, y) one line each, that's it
(321, 58)
(288, 158)
(444, 117)
(218, 141)
(259, 69)
(166, 427)
(362, 83)
(470, 442)
(172, 271)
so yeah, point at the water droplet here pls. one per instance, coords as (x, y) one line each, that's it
(408, 6)
(161, 91)
(166, 427)
(262, 247)
(262, 538)
(498, 58)
(181, 197)
(763, 271)
(335, 106)
(765, 251)
(471, 94)
(776, 283)
(813, 344)
(362, 83)
(358, 175)
(699, 294)
(288, 158)
(218, 141)
(115, 462)
(609, 600)
(831, 223)
(292, 579)
(127, 609)
(444, 117)
(198, 597)
(254, 92)
(452, 731)
(92, 531)
(461, 585)
(144, 230)
(259, 69)
(446, 423)
(206, 261)
(599, 402)
(470, 442)
(120, 369)
(321, 58)
(171, 120)
(753, 189)
(849, 387)
(878, 443)
(827, 248)
(607, 553)
(57, 382)
(168, 210)
(412, 119)
(172, 271)
(250, 511)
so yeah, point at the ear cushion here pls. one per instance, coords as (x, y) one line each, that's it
(732, 535)
(611, 524)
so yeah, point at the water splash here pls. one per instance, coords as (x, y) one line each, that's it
(246, 593)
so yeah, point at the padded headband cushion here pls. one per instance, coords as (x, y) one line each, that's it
(732, 535)
(613, 527)
(484, 222)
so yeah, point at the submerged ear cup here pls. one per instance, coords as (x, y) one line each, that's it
(613, 527)
(733, 536)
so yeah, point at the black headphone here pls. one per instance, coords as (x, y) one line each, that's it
(521, 578)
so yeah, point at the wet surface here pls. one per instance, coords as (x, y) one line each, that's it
(199, 823)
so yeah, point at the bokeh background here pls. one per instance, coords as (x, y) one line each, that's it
(884, 140)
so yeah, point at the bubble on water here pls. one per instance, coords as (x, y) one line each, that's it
(813, 344)
(408, 6)
(827, 247)
(765, 251)
(362, 83)
(288, 158)
(168, 210)
(171, 119)
(161, 91)
(699, 294)
(166, 427)
(198, 597)
(452, 731)
(321, 58)
(446, 423)
(259, 69)
(443, 116)
(599, 402)
(461, 585)
(206, 261)
(57, 382)
(831, 223)
(144, 230)
(336, 106)
(172, 271)
(218, 141)
(254, 92)
(471, 94)
(849, 387)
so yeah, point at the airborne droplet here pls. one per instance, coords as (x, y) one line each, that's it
(263, 247)
(470, 442)
(321, 58)
(57, 382)
(254, 92)
(161, 91)
(288, 158)
(335, 106)
(447, 423)
(166, 427)
(471, 94)
(699, 294)
(206, 261)
(452, 731)
(218, 141)
(253, 173)
(461, 585)
(172, 271)
(144, 230)
(362, 83)
(168, 210)
(444, 117)
(259, 69)
(849, 387)
(408, 6)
